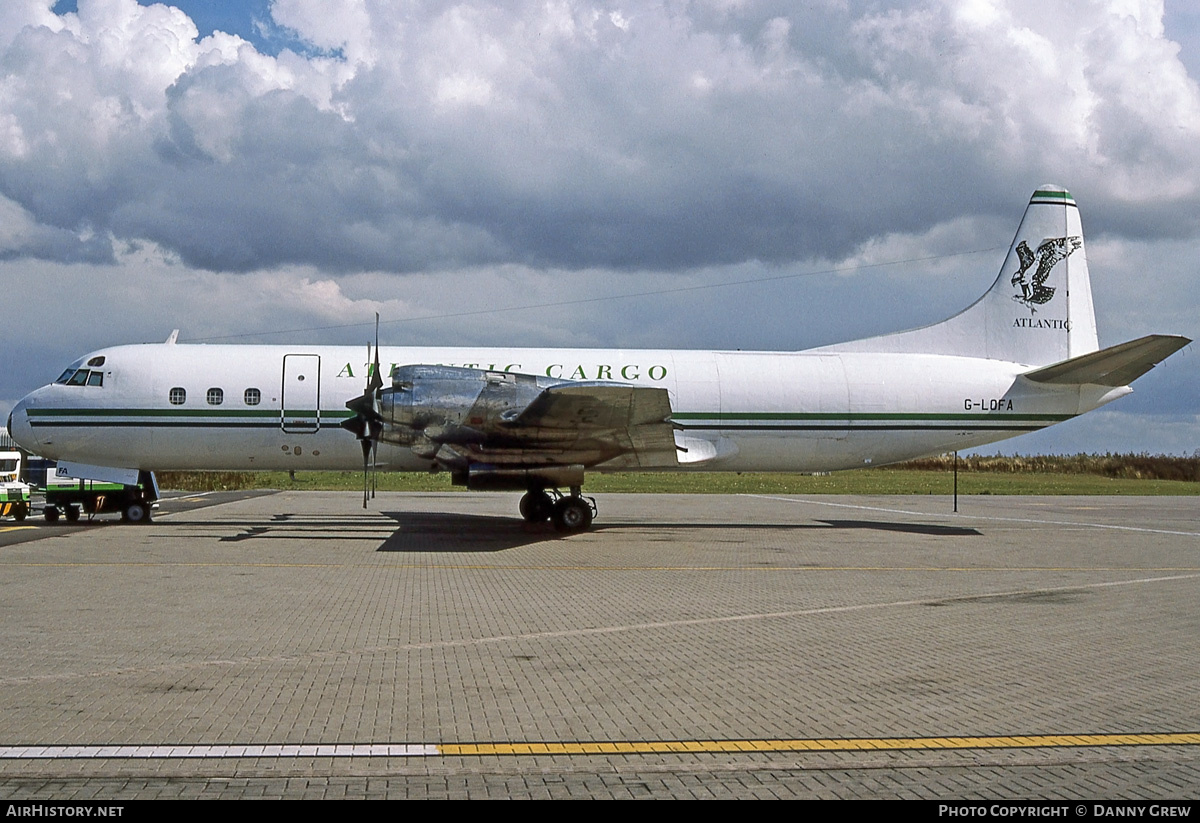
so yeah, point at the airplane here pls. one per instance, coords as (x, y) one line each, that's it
(1022, 357)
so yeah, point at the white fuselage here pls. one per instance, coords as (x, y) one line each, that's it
(733, 411)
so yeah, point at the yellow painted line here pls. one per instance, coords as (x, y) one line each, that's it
(584, 748)
(1047, 741)
(16, 528)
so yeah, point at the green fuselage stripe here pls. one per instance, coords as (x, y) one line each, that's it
(778, 422)
(866, 416)
(268, 414)
(130, 415)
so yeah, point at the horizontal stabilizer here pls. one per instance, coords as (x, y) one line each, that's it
(1117, 365)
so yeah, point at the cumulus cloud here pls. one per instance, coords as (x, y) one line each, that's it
(429, 136)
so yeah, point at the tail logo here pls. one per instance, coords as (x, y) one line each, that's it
(1034, 291)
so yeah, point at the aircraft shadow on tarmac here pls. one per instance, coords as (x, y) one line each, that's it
(429, 532)
(453, 532)
(931, 529)
(449, 532)
(413, 532)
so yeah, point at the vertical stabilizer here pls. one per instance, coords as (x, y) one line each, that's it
(1039, 310)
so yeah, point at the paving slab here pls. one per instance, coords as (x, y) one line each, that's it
(434, 645)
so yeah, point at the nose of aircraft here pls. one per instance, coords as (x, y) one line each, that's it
(19, 428)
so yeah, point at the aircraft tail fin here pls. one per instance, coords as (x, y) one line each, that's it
(1115, 366)
(1037, 312)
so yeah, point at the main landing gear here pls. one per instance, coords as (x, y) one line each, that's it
(570, 513)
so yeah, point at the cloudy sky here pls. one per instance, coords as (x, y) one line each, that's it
(720, 174)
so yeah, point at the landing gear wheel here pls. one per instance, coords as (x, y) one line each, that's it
(536, 506)
(572, 514)
(20, 512)
(51, 514)
(135, 513)
(73, 514)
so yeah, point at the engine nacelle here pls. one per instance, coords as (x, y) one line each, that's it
(439, 401)
(480, 477)
(443, 412)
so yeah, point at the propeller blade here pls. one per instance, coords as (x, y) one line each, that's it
(366, 450)
(374, 466)
(376, 381)
(367, 422)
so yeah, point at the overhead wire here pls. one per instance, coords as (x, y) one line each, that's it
(492, 310)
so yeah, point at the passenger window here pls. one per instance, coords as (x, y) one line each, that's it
(96, 378)
(215, 397)
(177, 396)
(79, 378)
(252, 397)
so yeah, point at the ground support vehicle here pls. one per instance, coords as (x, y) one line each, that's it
(15, 493)
(70, 497)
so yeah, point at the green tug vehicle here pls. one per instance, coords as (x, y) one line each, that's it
(15, 493)
(71, 497)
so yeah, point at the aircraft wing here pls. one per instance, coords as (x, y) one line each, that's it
(1117, 365)
(467, 418)
(631, 422)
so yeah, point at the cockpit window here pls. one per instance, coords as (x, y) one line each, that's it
(81, 377)
(71, 369)
(75, 375)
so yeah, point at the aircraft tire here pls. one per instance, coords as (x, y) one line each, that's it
(536, 506)
(572, 514)
(51, 514)
(135, 513)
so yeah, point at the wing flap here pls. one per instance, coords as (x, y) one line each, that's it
(1117, 365)
(632, 421)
